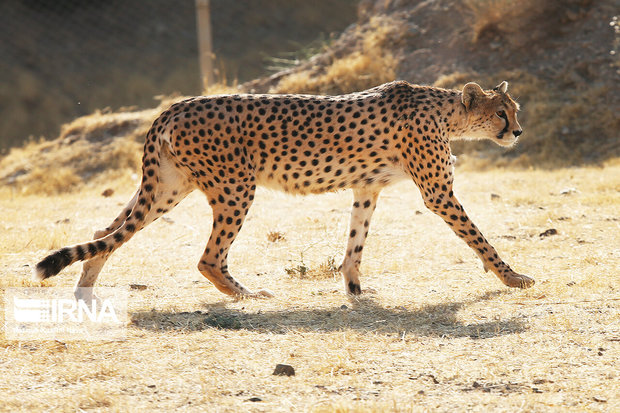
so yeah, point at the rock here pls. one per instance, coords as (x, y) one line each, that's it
(568, 191)
(549, 232)
(284, 370)
(137, 287)
(108, 192)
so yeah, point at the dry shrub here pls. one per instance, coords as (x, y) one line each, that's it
(370, 65)
(100, 147)
(103, 125)
(275, 236)
(520, 22)
(43, 181)
(326, 269)
(221, 87)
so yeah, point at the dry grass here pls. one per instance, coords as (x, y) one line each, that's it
(369, 65)
(99, 147)
(438, 333)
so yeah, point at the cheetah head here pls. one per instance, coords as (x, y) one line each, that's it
(491, 114)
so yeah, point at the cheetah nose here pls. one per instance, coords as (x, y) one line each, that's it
(517, 132)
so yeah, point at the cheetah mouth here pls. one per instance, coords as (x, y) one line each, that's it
(506, 142)
(501, 134)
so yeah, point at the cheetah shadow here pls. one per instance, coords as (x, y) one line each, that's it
(363, 315)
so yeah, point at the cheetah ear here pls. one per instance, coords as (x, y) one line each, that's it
(502, 87)
(471, 92)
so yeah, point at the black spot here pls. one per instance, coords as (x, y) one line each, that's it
(101, 245)
(80, 252)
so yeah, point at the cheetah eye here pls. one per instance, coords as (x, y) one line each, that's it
(501, 114)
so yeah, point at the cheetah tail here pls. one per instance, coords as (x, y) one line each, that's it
(56, 261)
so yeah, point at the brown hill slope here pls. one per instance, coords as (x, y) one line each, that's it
(559, 57)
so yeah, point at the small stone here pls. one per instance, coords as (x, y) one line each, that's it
(495, 196)
(344, 307)
(284, 370)
(139, 287)
(568, 191)
(549, 232)
(254, 399)
(107, 193)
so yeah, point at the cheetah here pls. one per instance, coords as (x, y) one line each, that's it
(226, 145)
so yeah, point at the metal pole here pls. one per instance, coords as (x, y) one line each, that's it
(203, 23)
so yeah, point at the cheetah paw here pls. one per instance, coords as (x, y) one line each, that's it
(264, 293)
(519, 281)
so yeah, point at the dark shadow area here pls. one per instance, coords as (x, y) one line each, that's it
(363, 315)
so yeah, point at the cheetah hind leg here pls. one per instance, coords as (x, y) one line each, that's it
(172, 189)
(228, 218)
(92, 268)
(364, 203)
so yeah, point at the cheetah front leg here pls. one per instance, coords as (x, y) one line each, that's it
(364, 203)
(445, 204)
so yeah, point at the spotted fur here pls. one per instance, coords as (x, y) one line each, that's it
(227, 145)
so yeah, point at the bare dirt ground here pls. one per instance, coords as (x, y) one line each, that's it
(436, 334)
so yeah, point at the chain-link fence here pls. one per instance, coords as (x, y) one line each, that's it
(64, 58)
